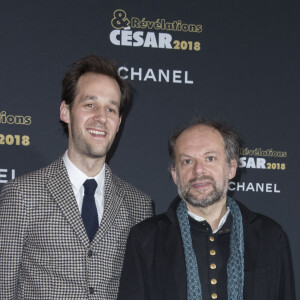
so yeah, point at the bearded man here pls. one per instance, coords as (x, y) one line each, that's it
(207, 245)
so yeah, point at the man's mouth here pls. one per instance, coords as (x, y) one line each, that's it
(97, 132)
(201, 184)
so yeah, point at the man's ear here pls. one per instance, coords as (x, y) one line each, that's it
(173, 173)
(120, 121)
(64, 112)
(232, 168)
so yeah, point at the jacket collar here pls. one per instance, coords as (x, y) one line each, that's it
(60, 188)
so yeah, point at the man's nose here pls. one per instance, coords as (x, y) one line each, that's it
(199, 168)
(100, 115)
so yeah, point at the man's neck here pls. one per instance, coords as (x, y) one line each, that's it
(89, 166)
(212, 214)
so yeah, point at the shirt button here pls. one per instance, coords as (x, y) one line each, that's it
(91, 290)
(90, 253)
(212, 252)
(213, 281)
(214, 296)
(211, 238)
(213, 266)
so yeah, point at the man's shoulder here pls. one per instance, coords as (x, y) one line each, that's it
(125, 186)
(38, 176)
(151, 226)
(260, 221)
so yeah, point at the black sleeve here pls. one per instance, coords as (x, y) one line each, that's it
(287, 283)
(132, 283)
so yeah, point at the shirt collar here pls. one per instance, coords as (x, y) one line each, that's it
(201, 219)
(77, 177)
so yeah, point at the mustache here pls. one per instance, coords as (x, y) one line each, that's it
(200, 178)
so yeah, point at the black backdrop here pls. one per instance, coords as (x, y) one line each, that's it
(233, 60)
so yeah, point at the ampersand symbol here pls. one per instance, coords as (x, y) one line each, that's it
(120, 20)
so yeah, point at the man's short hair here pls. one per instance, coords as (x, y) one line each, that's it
(97, 65)
(230, 138)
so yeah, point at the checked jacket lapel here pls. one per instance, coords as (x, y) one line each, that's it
(60, 188)
(113, 197)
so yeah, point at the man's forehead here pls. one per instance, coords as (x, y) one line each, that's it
(200, 137)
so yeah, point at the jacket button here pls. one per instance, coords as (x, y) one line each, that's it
(211, 238)
(214, 296)
(213, 281)
(213, 266)
(212, 252)
(91, 290)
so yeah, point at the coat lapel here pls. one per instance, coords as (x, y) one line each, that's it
(60, 188)
(113, 197)
(175, 254)
(174, 249)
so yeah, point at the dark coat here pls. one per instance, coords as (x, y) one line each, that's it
(154, 266)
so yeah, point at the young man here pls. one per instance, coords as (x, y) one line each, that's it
(63, 228)
(207, 245)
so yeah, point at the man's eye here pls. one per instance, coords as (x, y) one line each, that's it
(210, 158)
(89, 105)
(111, 110)
(187, 161)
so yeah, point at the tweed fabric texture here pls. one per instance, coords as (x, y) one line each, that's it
(193, 280)
(235, 265)
(45, 252)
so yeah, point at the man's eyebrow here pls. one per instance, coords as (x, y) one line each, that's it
(89, 98)
(113, 102)
(92, 97)
(206, 153)
(183, 155)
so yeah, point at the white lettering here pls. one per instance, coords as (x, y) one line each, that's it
(275, 189)
(165, 75)
(186, 73)
(120, 72)
(240, 186)
(150, 75)
(269, 187)
(231, 186)
(253, 187)
(177, 76)
(164, 40)
(242, 163)
(113, 37)
(126, 38)
(150, 40)
(154, 75)
(252, 163)
(260, 163)
(139, 73)
(4, 174)
(250, 187)
(138, 39)
(260, 187)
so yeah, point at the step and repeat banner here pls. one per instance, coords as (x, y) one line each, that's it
(237, 61)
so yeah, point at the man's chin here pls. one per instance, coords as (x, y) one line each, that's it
(201, 201)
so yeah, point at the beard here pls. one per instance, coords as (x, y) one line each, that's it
(82, 146)
(200, 199)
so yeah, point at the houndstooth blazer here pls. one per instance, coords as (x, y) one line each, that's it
(44, 249)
